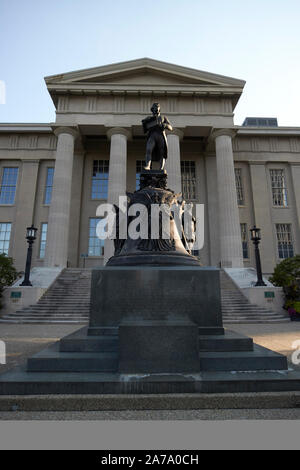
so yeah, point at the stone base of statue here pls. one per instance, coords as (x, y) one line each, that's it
(147, 293)
(158, 312)
(155, 327)
(158, 347)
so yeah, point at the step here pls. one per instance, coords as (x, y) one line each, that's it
(230, 342)
(44, 322)
(37, 321)
(51, 360)
(80, 342)
(52, 310)
(77, 315)
(44, 314)
(243, 305)
(252, 317)
(254, 322)
(258, 359)
(18, 383)
(250, 314)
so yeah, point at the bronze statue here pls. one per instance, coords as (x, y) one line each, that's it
(157, 145)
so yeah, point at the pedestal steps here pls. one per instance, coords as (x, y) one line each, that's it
(79, 352)
(53, 360)
(81, 364)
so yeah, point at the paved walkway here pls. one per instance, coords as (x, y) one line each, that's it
(278, 337)
(154, 415)
(22, 341)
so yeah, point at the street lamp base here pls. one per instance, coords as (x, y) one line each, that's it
(260, 284)
(26, 284)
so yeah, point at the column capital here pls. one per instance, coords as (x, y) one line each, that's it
(177, 132)
(120, 131)
(230, 132)
(66, 130)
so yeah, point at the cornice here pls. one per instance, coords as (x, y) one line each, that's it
(259, 131)
(24, 128)
(142, 89)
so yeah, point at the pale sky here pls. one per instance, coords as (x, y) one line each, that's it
(257, 41)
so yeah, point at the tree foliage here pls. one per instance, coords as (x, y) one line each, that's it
(8, 273)
(287, 273)
(287, 276)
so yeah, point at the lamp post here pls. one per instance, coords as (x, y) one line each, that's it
(256, 237)
(31, 236)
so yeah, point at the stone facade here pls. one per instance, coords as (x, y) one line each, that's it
(98, 119)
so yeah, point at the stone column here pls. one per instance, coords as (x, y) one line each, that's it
(173, 166)
(263, 214)
(295, 171)
(117, 178)
(75, 210)
(59, 215)
(229, 222)
(212, 209)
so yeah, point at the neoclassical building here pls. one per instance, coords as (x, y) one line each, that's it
(55, 175)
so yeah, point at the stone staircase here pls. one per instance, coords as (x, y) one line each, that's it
(236, 308)
(68, 301)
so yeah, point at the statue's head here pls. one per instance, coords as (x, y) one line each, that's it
(155, 108)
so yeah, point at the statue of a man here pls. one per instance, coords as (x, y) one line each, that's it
(157, 145)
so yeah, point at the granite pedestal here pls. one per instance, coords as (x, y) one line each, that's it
(158, 311)
(155, 347)
(153, 330)
(156, 294)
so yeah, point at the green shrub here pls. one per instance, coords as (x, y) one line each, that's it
(287, 273)
(8, 273)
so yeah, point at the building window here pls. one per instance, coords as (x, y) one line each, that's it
(8, 185)
(96, 245)
(139, 168)
(239, 186)
(279, 189)
(5, 231)
(285, 241)
(245, 245)
(49, 186)
(188, 179)
(43, 240)
(100, 179)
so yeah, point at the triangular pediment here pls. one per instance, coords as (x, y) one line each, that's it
(143, 77)
(144, 72)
